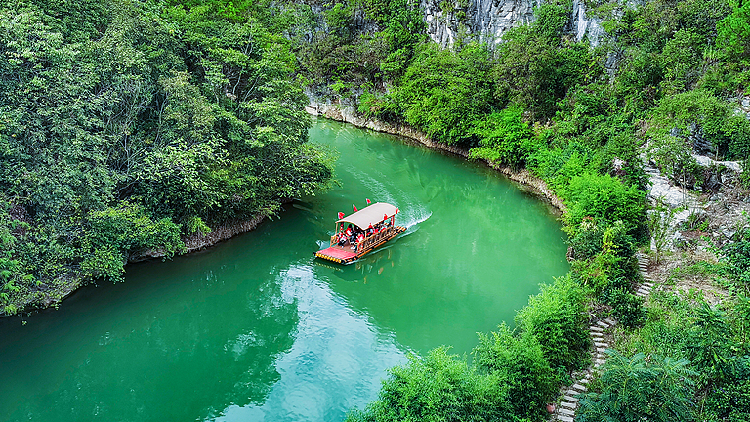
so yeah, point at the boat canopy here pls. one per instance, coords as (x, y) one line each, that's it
(370, 215)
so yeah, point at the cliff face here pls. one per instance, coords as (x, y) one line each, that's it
(488, 20)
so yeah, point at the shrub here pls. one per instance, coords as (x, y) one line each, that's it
(443, 92)
(589, 239)
(626, 307)
(730, 401)
(606, 200)
(557, 318)
(641, 388)
(504, 137)
(521, 366)
(438, 387)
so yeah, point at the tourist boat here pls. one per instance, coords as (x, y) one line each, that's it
(359, 233)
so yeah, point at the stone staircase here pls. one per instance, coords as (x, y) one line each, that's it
(599, 333)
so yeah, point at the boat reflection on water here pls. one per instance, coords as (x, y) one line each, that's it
(372, 265)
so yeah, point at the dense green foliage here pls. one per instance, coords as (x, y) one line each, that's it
(707, 346)
(125, 125)
(438, 387)
(636, 389)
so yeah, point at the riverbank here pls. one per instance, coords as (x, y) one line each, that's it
(347, 114)
(48, 296)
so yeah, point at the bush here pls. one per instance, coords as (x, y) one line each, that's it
(443, 92)
(641, 388)
(627, 308)
(557, 318)
(521, 366)
(439, 387)
(606, 200)
(730, 401)
(504, 137)
(589, 239)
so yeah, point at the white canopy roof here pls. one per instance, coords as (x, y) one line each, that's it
(372, 214)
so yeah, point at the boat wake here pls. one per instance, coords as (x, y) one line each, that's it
(412, 219)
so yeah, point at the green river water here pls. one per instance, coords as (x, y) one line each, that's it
(255, 329)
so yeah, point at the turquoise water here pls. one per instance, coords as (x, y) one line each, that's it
(255, 329)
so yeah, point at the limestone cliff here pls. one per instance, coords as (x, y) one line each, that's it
(488, 20)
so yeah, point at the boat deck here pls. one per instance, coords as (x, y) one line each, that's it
(336, 253)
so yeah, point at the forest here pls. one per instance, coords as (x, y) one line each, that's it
(127, 125)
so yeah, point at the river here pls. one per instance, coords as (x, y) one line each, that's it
(255, 329)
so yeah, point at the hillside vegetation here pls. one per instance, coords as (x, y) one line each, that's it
(126, 125)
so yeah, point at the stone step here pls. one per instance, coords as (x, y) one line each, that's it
(642, 291)
(584, 381)
(568, 412)
(595, 328)
(579, 387)
(599, 362)
(563, 418)
(610, 321)
(570, 398)
(569, 404)
(640, 294)
(648, 284)
(598, 344)
(601, 349)
(602, 324)
(570, 393)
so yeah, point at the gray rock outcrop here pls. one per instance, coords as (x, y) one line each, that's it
(488, 20)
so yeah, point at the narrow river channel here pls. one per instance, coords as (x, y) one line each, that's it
(255, 329)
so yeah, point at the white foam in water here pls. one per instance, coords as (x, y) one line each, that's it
(411, 218)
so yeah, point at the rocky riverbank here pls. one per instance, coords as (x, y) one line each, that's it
(348, 114)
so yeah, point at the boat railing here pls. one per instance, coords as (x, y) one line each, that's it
(368, 241)
(374, 239)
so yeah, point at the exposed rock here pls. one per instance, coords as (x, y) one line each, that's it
(672, 196)
(705, 161)
(488, 20)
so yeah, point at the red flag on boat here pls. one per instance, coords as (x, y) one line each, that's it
(385, 217)
(355, 207)
(368, 201)
(341, 215)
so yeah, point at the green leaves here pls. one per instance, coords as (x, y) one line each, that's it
(641, 388)
(443, 92)
(438, 387)
(605, 199)
(504, 137)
